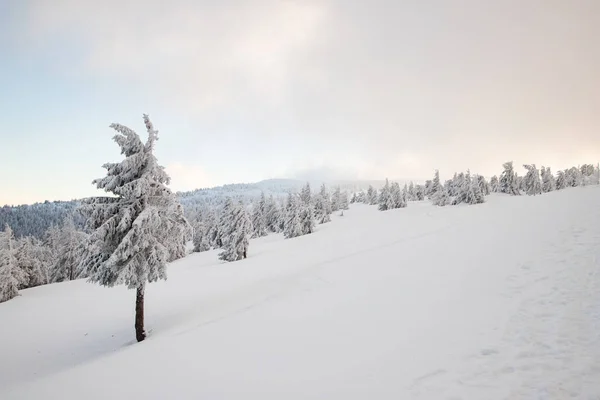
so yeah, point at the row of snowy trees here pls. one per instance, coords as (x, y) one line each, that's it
(29, 262)
(537, 181)
(472, 189)
(231, 227)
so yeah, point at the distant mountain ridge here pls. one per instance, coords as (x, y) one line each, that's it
(35, 219)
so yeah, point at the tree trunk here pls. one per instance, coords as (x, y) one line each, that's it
(140, 333)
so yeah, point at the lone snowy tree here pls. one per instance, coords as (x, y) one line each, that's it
(141, 228)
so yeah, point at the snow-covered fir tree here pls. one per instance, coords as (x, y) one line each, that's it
(201, 238)
(561, 180)
(428, 188)
(306, 194)
(438, 192)
(548, 182)
(141, 228)
(573, 177)
(474, 193)
(385, 198)
(344, 204)
(532, 183)
(419, 193)
(411, 192)
(508, 182)
(259, 222)
(211, 226)
(494, 184)
(443, 198)
(293, 225)
(322, 206)
(404, 196)
(398, 200)
(484, 186)
(69, 250)
(11, 276)
(435, 184)
(336, 199)
(32, 258)
(306, 212)
(237, 229)
(272, 215)
(469, 192)
(371, 196)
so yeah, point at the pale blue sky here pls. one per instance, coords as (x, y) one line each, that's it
(242, 91)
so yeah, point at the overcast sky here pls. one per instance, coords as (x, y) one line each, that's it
(247, 90)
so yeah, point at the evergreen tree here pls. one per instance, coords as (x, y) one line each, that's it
(69, 251)
(293, 226)
(306, 213)
(435, 184)
(272, 215)
(237, 230)
(211, 226)
(484, 186)
(508, 182)
(344, 201)
(336, 199)
(396, 195)
(141, 228)
(419, 192)
(561, 180)
(11, 276)
(548, 183)
(259, 222)
(439, 194)
(573, 177)
(474, 194)
(412, 196)
(442, 198)
(305, 194)
(322, 206)
(32, 259)
(428, 188)
(469, 191)
(371, 196)
(201, 237)
(494, 184)
(385, 199)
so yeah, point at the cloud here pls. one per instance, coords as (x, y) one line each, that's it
(196, 54)
(190, 177)
(399, 88)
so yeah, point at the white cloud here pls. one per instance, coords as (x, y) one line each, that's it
(190, 177)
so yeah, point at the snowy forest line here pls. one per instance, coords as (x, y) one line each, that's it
(55, 255)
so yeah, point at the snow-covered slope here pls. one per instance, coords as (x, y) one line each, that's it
(494, 301)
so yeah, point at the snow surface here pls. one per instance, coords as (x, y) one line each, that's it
(494, 301)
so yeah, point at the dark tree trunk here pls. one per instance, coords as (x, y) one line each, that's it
(140, 333)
